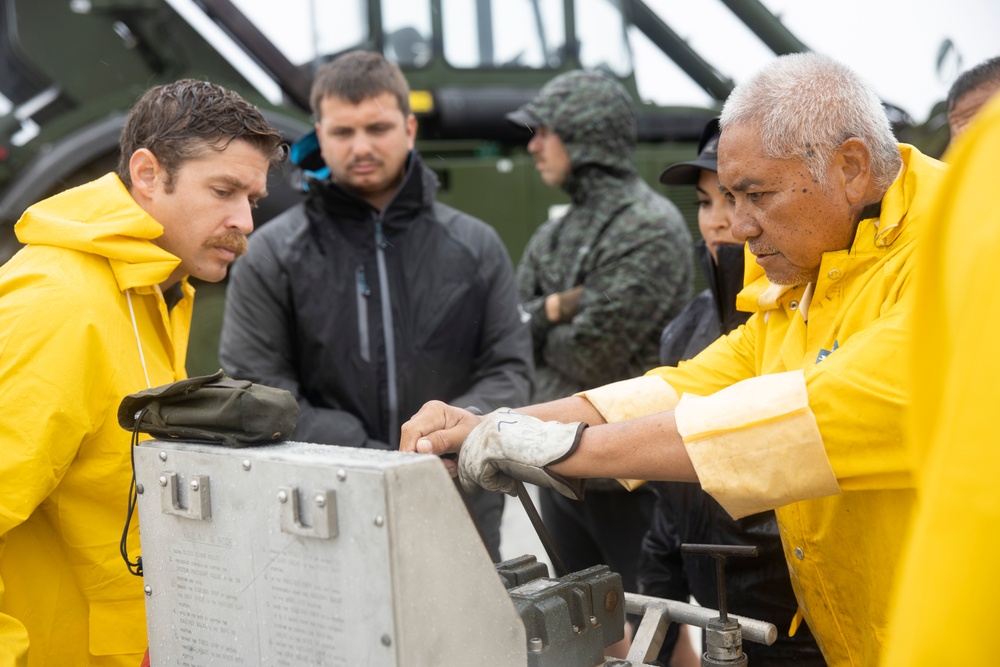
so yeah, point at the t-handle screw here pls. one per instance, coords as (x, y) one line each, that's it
(719, 553)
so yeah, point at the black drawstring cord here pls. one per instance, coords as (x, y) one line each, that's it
(133, 499)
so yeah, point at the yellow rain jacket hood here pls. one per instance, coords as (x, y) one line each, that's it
(83, 322)
(801, 410)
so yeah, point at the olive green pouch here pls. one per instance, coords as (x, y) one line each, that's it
(216, 408)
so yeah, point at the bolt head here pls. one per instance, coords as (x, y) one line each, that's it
(611, 601)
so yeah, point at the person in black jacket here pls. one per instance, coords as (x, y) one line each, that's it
(756, 587)
(371, 298)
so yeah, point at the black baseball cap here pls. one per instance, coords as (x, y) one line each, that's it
(688, 173)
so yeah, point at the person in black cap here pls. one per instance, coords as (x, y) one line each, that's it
(756, 587)
(713, 312)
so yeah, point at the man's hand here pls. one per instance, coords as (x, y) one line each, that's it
(437, 428)
(508, 445)
(563, 306)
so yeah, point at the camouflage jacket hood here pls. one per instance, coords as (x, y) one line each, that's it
(594, 117)
(625, 244)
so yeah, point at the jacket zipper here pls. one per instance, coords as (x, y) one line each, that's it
(364, 292)
(387, 329)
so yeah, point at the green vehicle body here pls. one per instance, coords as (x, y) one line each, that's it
(72, 68)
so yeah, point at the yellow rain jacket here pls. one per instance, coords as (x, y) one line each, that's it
(806, 418)
(68, 354)
(949, 584)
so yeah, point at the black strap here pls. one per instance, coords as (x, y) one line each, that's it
(133, 499)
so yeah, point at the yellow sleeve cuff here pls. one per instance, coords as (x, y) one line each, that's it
(755, 445)
(628, 399)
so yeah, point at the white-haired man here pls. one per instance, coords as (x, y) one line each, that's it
(800, 409)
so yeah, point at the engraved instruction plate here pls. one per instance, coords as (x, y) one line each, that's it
(299, 554)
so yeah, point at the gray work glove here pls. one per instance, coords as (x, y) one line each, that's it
(508, 446)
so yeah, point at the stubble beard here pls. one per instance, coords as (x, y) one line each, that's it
(794, 275)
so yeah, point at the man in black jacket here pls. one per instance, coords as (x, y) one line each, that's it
(371, 298)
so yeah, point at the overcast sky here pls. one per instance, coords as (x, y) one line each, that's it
(894, 44)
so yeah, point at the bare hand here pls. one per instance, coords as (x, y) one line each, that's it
(437, 428)
(562, 307)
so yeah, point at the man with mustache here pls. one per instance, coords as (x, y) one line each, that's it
(799, 410)
(95, 307)
(371, 298)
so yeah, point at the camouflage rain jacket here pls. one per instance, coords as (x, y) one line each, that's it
(627, 246)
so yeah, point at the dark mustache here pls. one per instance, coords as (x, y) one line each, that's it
(233, 241)
(355, 163)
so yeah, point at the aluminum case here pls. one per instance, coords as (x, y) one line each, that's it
(300, 554)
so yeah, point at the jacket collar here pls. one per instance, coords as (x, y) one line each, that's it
(725, 280)
(587, 182)
(902, 207)
(415, 193)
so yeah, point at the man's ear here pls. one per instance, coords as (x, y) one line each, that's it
(854, 161)
(145, 170)
(411, 130)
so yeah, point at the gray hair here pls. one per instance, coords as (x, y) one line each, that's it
(805, 105)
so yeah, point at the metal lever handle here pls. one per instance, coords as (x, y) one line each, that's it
(723, 637)
(543, 534)
(719, 553)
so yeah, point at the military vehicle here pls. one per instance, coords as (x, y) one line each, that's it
(71, 68)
